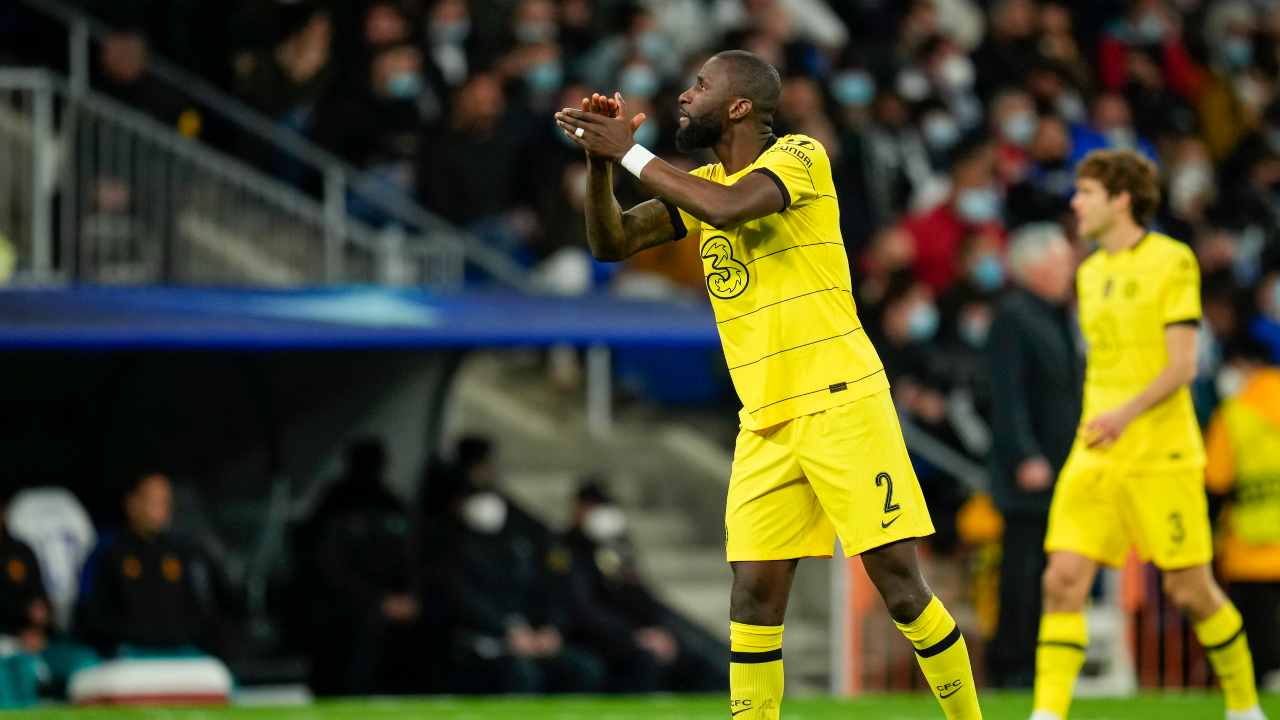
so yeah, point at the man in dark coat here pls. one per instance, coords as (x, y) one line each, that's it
(1036, 380)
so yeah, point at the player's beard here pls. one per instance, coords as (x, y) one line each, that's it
(701, 132)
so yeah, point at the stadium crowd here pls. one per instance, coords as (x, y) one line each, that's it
(952, 124)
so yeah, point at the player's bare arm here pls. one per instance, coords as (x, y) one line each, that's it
(1180, 347)
(612, 234)
(720, 206)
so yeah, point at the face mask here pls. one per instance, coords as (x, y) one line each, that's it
(987, 273)
(1149, 28)
(853, 88)
(485, 512)
(647, 134)
(956, 73)
(653, 45)
(1237, 51)
(532, 33)
(639, 81)
(604, 523)
(940, 131)
(913, 86)
(923, 323)
(405, 85)
(1189, 183)
(452, 33)
(1121, 137)
(1229, 382)
(1019, 128)
(544, 77)
(978, 205)
(974, 330)
(1070, 107)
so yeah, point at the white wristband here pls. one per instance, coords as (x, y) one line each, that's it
(636, 158)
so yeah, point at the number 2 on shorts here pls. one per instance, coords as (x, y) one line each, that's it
(889, 505)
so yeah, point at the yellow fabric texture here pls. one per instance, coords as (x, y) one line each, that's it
(782, 293)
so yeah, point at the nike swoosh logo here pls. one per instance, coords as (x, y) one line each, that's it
(953, 692)
(738, 712)
(884, 524)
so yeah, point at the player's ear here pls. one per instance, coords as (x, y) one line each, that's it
(740, 109)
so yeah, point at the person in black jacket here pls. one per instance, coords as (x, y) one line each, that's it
(644, 643)
(1036, 380)
(147, 592)
(510, 631)
(25, 614)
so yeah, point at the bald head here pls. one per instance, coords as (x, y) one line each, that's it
(752, 77)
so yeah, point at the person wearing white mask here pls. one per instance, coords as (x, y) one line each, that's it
(615, 613)
(974, 205)
(509, 634)
(1035, 378)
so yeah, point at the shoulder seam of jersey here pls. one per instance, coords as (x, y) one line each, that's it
(677, 222)
(782, 187)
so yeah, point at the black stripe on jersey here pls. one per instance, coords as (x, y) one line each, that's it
(782, 187)
(791, 247)
(797, 347)
(1193, 322)
(821, 389)
(677, 222)
(779, 302)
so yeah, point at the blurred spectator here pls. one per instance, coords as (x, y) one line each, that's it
(801, 110)
(616, 615)
(1009, 48)
(122, 73)
(449, 37)
(1235, 92)
(973, 206)
(510, 629)
(286, 80)
(146, 592)
(1266, 323)
(1036, 375)
(891, 252)
(1243, 449)
(26, 618)
(1191, 194)
(467, 174)
(1146, 47)
(1112, 119)
(24, 613)
(371, 608)
(378, 121)
(811, 21)
(1013, 125)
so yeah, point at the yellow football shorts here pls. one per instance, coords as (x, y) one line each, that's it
(1100, 511)
(844, 470)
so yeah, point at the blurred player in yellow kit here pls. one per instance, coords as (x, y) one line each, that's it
(1135, 476)
(820, 452)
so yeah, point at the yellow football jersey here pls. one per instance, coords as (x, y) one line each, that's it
(1126, 301)
(782, 294)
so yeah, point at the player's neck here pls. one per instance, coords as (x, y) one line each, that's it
(741, 146)
(1121, 236)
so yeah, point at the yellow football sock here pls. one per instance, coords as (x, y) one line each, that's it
(755, 671)
(944, 659)
(1222, 636)
(1059, 657)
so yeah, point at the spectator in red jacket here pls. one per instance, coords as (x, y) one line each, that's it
(973, 206)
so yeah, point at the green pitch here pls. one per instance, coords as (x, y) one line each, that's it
(890, 707)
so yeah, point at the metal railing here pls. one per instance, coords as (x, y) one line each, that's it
(416, 235)
(94, 191)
